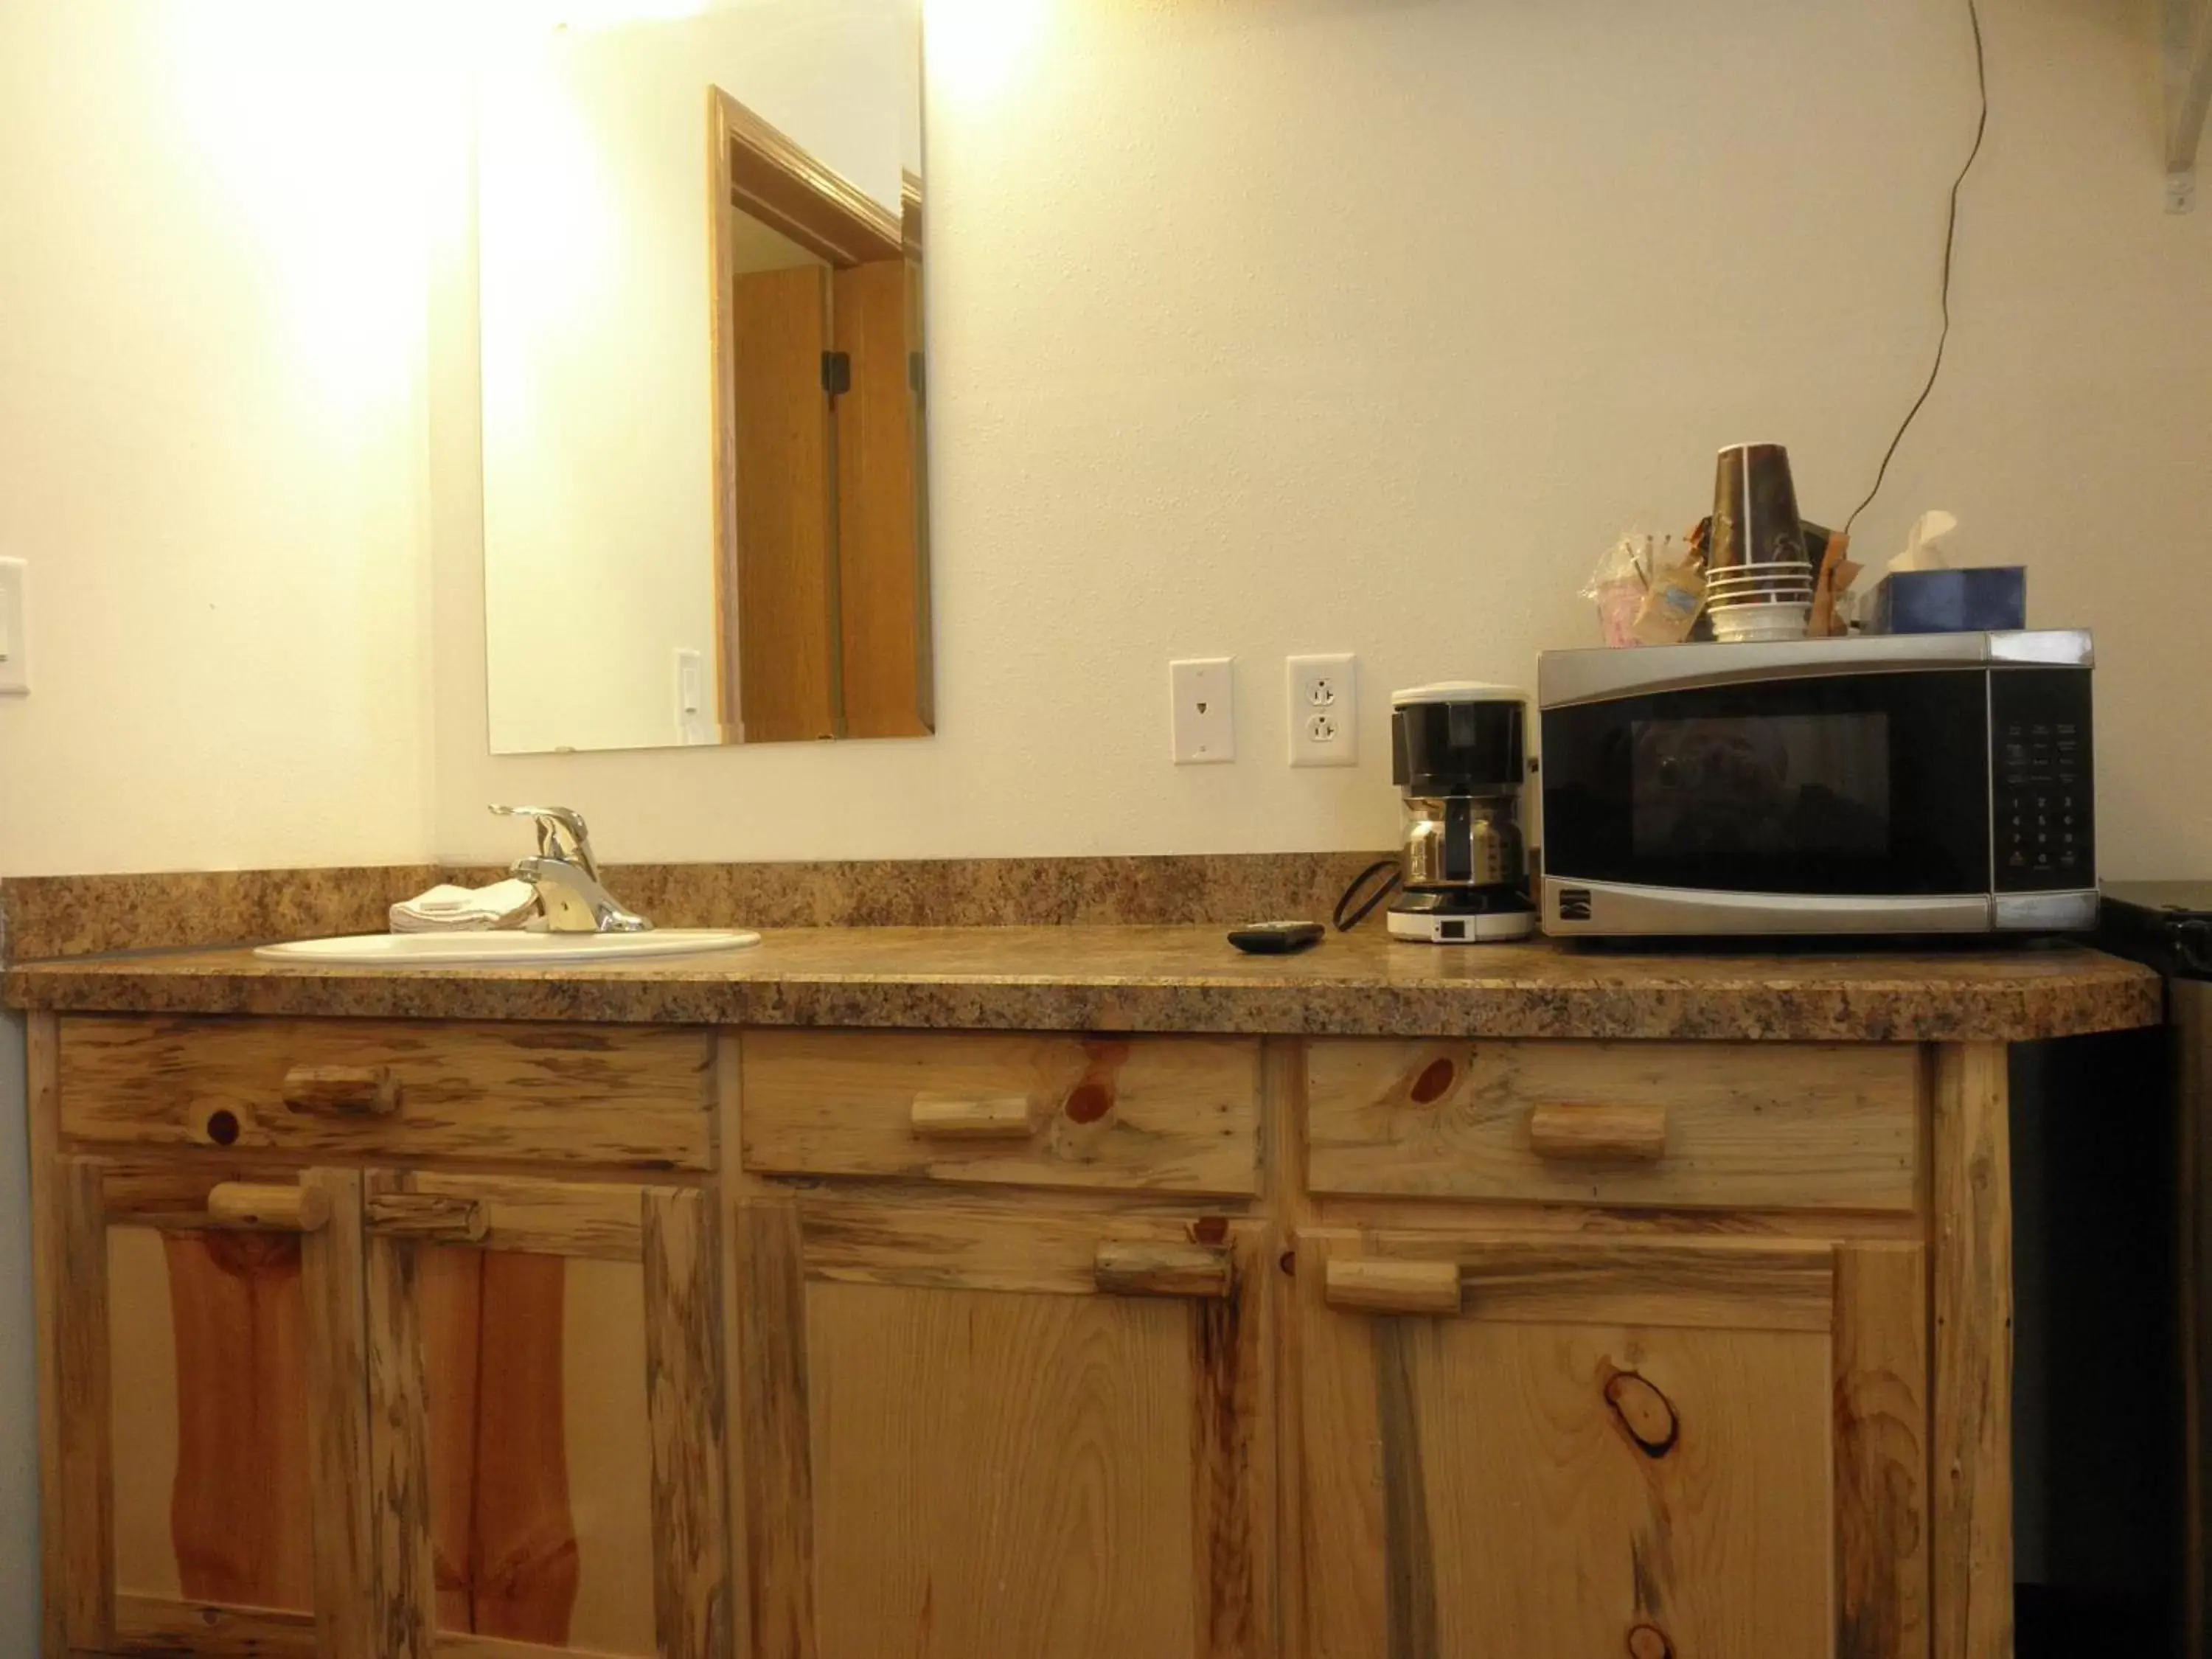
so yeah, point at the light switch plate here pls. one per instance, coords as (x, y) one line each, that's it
(15, 646)
(1204, 721)
(693, 723)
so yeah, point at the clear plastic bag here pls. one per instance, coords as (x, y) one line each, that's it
(1618, 588)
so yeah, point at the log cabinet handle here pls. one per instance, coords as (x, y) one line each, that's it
(1372, 1285)
(341, 1091)
(430, 1217)
(1136, 1268)
(969, 1117)
(1599, 1134)
(253, 1208)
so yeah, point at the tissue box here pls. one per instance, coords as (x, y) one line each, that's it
(1948, 601)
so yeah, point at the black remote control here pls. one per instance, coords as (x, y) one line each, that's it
(1277, 938)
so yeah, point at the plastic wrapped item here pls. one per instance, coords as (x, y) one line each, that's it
(1618, 588)
(1670, 608)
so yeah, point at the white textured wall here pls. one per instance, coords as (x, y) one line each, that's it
(1259, 325)
(212, 445)
(1348, 325)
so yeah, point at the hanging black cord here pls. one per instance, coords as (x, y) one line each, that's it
(1373, 899)
(1950, 240)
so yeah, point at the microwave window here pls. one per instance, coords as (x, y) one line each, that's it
(1808, 785)
(1848, 783)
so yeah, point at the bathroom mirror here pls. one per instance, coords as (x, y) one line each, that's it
(700, 258)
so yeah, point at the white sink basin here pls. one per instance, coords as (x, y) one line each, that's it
(516, 950)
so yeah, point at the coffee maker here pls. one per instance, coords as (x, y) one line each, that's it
(1459, 755)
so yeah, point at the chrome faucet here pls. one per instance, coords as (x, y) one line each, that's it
(567, 875)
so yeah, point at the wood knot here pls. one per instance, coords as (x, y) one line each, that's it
(1649, 1642)
(1434, 1083)
(1088, 1101)
(1647, 1415)
(221, 1127)
(1209, 1229)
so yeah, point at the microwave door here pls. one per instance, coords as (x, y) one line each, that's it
(1861, 787)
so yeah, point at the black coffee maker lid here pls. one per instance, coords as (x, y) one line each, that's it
(1457, 738)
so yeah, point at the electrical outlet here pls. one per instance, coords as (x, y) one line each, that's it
(1204, 711)
(1323, 707)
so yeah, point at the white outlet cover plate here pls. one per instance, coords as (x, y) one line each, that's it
(1322, 709)
(14, 648)
(1203, 714)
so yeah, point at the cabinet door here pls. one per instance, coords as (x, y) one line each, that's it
(546, 1399)
(212, 1455)
(1554, 1448)
(999, 1436)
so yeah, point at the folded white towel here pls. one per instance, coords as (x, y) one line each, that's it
(449, 910)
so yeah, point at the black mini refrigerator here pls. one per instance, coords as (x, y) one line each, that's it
(2113, 1364)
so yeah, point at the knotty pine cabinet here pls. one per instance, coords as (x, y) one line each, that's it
(967, 1435)
(486, 1342)
(386, 1413)
(202, 1364)
(1555, 1446)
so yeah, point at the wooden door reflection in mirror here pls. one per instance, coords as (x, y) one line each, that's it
(823, 590)
(699, 270)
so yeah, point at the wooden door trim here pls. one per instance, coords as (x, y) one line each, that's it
(50, 1254)
(1232, 1464)
(1970, 1560)
(1767, 1283)
(332, 1269)
(686, 1412)
(778, 1502)
(722, 354)
(83, 1549)
(1880, 1359)
(603, 1220)
(883, 1240)
(404, 1616)
(776, 180)
(147, 1624)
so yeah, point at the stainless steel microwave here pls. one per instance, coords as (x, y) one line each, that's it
(1917, 783)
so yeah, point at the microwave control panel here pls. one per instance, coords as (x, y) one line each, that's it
(2042, 781)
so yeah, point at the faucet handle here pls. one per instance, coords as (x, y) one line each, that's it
(552, 822)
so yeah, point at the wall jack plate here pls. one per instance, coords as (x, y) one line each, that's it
(1204, 710)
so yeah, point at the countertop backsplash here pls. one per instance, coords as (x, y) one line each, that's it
(43, 916)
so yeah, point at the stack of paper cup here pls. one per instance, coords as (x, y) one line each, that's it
(1759, 578)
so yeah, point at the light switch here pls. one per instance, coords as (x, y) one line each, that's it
(15, 646)
(693, 723)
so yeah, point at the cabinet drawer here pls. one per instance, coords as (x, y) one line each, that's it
(1144, 1114)
(625, 1096)
(1774, 1126)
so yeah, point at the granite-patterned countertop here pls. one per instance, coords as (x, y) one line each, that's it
(1180, 979)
